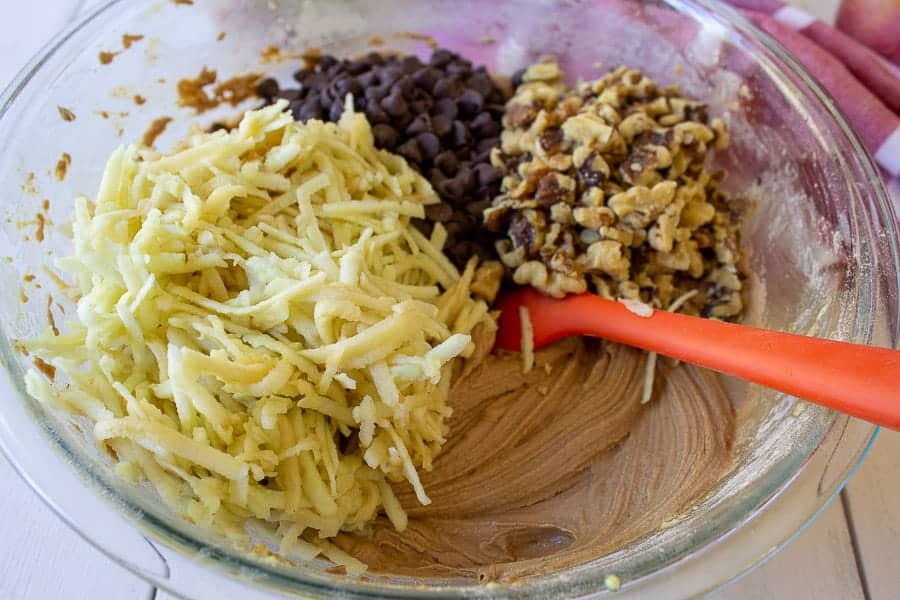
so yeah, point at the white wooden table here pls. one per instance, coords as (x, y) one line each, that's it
(852, 551)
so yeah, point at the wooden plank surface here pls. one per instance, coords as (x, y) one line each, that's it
(873, 500)
(41, 558)
(818, 565)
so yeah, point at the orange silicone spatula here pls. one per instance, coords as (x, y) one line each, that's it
(861, 381)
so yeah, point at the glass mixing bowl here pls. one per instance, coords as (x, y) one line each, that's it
(822, 240)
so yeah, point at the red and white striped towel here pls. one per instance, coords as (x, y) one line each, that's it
(864, 84)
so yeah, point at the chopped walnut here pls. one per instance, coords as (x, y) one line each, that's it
(606, 186)
(560, 162)
(533, 273)
(509, 256)
(542, 71)
(593, 197)
(561, 285)
(608, 257)
(553, 188)
(640, 206)
(634, 125)
(562, 213)
(588, 129)
(593, 217)
(662, 235)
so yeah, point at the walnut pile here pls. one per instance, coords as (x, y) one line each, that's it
(605, 189)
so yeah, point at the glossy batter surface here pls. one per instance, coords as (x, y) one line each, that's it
(554, 468)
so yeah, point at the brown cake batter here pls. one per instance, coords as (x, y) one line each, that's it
(562, 465)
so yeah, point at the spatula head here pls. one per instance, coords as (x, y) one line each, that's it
(541, 309)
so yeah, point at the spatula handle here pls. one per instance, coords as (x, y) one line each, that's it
(861, 381)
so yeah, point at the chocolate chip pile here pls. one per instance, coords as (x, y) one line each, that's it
(443, 116)
(606, 188)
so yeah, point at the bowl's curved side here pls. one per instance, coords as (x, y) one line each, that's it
(93, 503)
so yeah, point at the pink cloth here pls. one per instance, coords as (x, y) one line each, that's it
(864, 84)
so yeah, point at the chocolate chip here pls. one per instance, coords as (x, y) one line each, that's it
(336, 110)
(411, 64)
(324, 101)
(484, 125)
(373, 59)
(420, 124)
(467, 176)
(346, 86)
(429, 144)
(391, 74)
(452, 188)
(385, 135)
(307, 111)
(470, 102)
(487, 174)
(459, 67)
(459, 134)
(446, 107)
(441, 125)
(356, 68)
(410, 151)
(376, 114)
(420, 101)
(516, 78)
(368, 79)
(394, 104)
(435, 176)
(481, 83)
(316, 80)
(465, 249)
(446, 162)
(477, 208)
(482, 157)
(449, 87)
(324, 62)
(426, 78)
(406, 85)
(441, 57)
(267, 88)
(374, 94)
(419, 106)
(301, 74)
(453, 228)
(402, 122)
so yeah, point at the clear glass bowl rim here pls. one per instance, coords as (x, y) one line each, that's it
(227, 561)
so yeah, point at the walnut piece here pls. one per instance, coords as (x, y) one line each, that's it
(606, 186)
